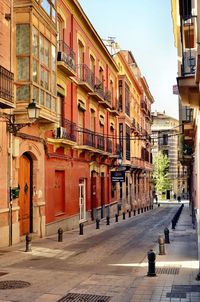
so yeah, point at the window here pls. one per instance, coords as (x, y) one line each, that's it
(165, 152)
(120, 86)
(23, 52)
(121, 138)
(127, 99)
(165, 139)
(127, 142)
(49, 7)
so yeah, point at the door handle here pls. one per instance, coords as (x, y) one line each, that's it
(25, 188)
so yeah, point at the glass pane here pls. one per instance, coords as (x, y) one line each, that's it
(42, 49)
(46, 6)
(41, 97)
(53, 104)
(35, 71)
(36, 93)
(35, 42)
(46, 79)
(46, 52)
(48, 100)
(41, 76)
(53, 15)
(53, 53)
(23, 39)
(53, 83)
(23, 69)
(23, 93)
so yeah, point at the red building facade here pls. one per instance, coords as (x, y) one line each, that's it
(81, 148)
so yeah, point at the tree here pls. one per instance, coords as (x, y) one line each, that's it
(161, 172)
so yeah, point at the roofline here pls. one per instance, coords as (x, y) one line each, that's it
(83, 14)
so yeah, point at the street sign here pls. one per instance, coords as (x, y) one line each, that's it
(118, 176)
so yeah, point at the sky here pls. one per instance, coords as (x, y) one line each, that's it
(145, 28)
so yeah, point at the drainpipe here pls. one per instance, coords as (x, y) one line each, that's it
(10, 187)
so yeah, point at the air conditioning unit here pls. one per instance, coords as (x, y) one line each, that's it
(60, 132)
(189, 61)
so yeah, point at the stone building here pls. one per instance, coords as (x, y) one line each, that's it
(166, 133)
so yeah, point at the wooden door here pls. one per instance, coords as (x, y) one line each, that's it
(59, 191)
(24, 194)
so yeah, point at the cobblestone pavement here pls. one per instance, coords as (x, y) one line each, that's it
(108, 264)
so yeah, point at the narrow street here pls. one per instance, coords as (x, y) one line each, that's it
(100, 262)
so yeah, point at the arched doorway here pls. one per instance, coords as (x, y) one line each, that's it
(25, 177)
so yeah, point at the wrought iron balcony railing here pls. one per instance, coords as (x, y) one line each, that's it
(66, 54)
(101, 142)
(6, 84)
(85, 74)
(71, 130)
(109, 145)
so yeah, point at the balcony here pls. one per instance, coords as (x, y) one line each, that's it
(109, 146)
(6, 88)
(85, 77)
(137, 163)
(65, 135)
(186, 152)
(189, 91)
(98, 92)
(115, 108)
(143, 106)
(66, 59)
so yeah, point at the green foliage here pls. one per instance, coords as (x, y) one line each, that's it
(161, 173)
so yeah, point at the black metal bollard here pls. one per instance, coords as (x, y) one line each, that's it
(158, 205)
(173, 224)
(138, 211)
(107, 220)
(134, 212)
(161, 242)
(166, 232)
(97, 223)
(81, 229)
(60, 235)
(151, 264)
(141, 210)
(28, 242)
(124, 215)
(129, 213)
(145, 209)
(116, 217)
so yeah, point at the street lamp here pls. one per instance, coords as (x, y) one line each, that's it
(33, 111)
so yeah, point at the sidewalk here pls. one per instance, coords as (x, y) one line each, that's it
(176, 271)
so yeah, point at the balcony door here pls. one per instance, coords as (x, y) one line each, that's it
(80, 126)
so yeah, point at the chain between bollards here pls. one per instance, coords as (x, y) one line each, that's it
(28, 243)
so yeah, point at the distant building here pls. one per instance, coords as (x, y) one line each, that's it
(165, 135)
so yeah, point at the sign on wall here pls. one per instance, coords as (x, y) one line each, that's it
(118, 176)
